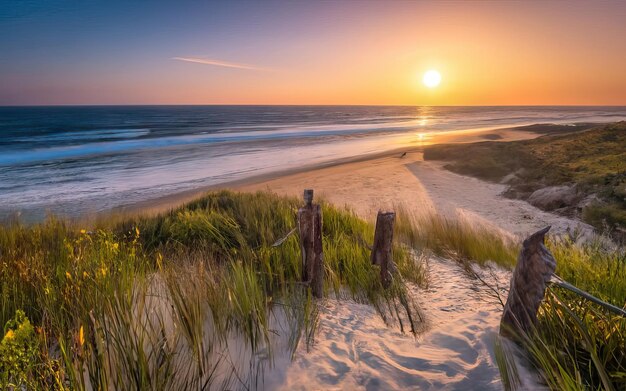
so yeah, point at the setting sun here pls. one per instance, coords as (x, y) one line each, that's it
(431, 79)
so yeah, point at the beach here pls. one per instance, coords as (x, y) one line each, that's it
(419, 186)
(323, 195)
(455, 351)
(397, 179)
(353, 347)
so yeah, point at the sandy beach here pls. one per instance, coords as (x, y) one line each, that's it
(393, 181)
(354, 349)
(382, 180)
(419, 186)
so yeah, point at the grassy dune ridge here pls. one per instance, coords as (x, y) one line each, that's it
(593, 160)
(161, 301)
(156, 301)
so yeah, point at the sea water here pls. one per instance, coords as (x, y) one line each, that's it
(81, 159)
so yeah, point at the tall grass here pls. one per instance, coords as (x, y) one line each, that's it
(198, 297)
(457, 239)
(186, 299)
(579, 345)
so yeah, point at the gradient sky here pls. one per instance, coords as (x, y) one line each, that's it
(178, 52)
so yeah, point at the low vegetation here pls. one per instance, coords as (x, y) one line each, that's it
(156, 302)
(592, 161)
(198, 298)
(579, 345)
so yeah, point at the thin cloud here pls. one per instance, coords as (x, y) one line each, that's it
(218, 63)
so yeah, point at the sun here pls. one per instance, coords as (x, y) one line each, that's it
(431, 78)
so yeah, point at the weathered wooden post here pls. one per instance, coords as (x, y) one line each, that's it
(310, 229)
(383, 245)
(534, 269)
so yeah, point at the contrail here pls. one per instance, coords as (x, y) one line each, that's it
(218, 63)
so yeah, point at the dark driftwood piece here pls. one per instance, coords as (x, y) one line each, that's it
(534, 269)
(382, 249)
(310, 229)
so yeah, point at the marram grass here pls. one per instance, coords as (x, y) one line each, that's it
(192, 299)
(578, 345)
(161, 302)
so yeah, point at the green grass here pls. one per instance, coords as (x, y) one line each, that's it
(578, 345)
(157, 301)
(594, 160)
(581, 345)
(154, 302)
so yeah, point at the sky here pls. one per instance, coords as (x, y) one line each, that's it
(332, 52)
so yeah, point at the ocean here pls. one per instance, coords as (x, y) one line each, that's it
(83, 159)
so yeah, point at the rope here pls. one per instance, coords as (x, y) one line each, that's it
(281, 241)
(564, 284)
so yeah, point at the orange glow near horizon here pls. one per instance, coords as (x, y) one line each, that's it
(487, 53)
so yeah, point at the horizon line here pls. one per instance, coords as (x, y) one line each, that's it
(304, 104)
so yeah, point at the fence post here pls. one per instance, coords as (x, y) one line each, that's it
(383, 245)
(534, 269)
(310, 229)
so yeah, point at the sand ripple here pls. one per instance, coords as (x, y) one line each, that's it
(354, 349)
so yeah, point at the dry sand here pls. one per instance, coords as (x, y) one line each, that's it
(384, 181)
(420, 186)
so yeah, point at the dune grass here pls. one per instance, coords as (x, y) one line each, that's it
(198, 298)
(161, 302)
(578, 345)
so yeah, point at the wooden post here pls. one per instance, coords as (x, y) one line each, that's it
(534, 269)
(382, 254)
(310, 229)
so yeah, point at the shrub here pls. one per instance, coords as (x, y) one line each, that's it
(18, 350)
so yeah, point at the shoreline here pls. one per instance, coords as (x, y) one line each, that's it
(171, 201)
(386, 180)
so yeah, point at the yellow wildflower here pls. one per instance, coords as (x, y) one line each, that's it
(83, 231)
(9, 334)
(81, 336)
(68, 275)
(85, 274)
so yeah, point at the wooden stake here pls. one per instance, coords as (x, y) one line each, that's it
(534, 269)
(310, 229)
(383, 245)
